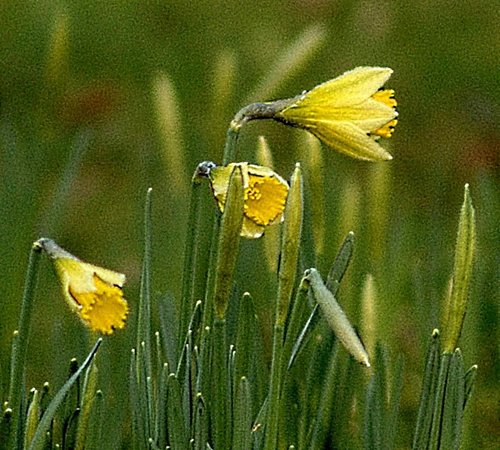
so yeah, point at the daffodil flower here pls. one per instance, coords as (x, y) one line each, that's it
(265, 194)
(93, 292)
(349, 113)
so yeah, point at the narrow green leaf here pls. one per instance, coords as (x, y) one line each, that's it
(169, 323)
(323, 417)
(242, 424)
(201, 420)
(144, 319)
(392, 417)
(89, 390)
(38, 439)
(470, 378)
(423, 426)
(33, 417)
(220, 401)
(335, 276)
(453, 404)
(189, 273)
(292, 232)
(177, 434)
(94, 431)
(245, 338)
(20, 345)
(188, 339)
(138, 434)
(340, 264)
(373, 416)
(5, 428)
(462, 271)
(336, 318)
(70, 429)
(439, 398)
(204, 379)
(300, 309)
(229, 238)
(161, 408)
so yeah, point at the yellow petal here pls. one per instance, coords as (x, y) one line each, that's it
(251, 230)
(369, 115)
(351, 140)
(103, 309)
(351, 88)
(93, 292)
(265, 195)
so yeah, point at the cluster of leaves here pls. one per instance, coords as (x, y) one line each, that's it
(202, 380)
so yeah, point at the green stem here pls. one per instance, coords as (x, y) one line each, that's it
(20, 344)
(221, 409)
(144, 320)
(271, 437)
(254, 111)
(189, 275)
(230, 146)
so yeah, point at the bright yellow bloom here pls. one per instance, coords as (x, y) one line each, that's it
(349, 113)
(94, 293)
(265, 194)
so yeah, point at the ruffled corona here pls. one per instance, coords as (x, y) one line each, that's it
(265, 194)
(93, 292)
(349, 113)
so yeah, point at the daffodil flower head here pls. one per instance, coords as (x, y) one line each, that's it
(265, 194)
(349, 113)
(93, 292)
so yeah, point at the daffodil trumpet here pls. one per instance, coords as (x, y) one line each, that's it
(93, 292)
(265, 193)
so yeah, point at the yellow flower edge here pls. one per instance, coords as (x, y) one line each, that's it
(93, 292)
(265, 194)
(349, 113)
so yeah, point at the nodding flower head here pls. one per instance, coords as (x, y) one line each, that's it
(93, 292)
(264, 192)
(349, 113)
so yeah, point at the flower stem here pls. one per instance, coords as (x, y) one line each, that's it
(20, 341)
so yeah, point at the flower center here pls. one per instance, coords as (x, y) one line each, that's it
(386, 96)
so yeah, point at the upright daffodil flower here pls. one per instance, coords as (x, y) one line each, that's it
(349, 113)
(264, 191)
(94, 293)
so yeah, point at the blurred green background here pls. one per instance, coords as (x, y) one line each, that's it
(78, 78)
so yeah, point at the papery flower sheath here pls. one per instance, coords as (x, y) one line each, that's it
(265, 194)
(349, 113)
(93, 292)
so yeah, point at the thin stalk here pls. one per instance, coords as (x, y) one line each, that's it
(220, 399)
(190, 251)
(144, 320)
(20, 341)
(292, 231)
(271, 437)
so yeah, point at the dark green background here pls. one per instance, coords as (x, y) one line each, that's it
(446, 76)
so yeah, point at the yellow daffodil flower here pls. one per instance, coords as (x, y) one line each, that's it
(265, 194)
(349, 113)
(93, 292)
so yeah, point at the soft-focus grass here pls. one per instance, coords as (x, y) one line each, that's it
(446, 83)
